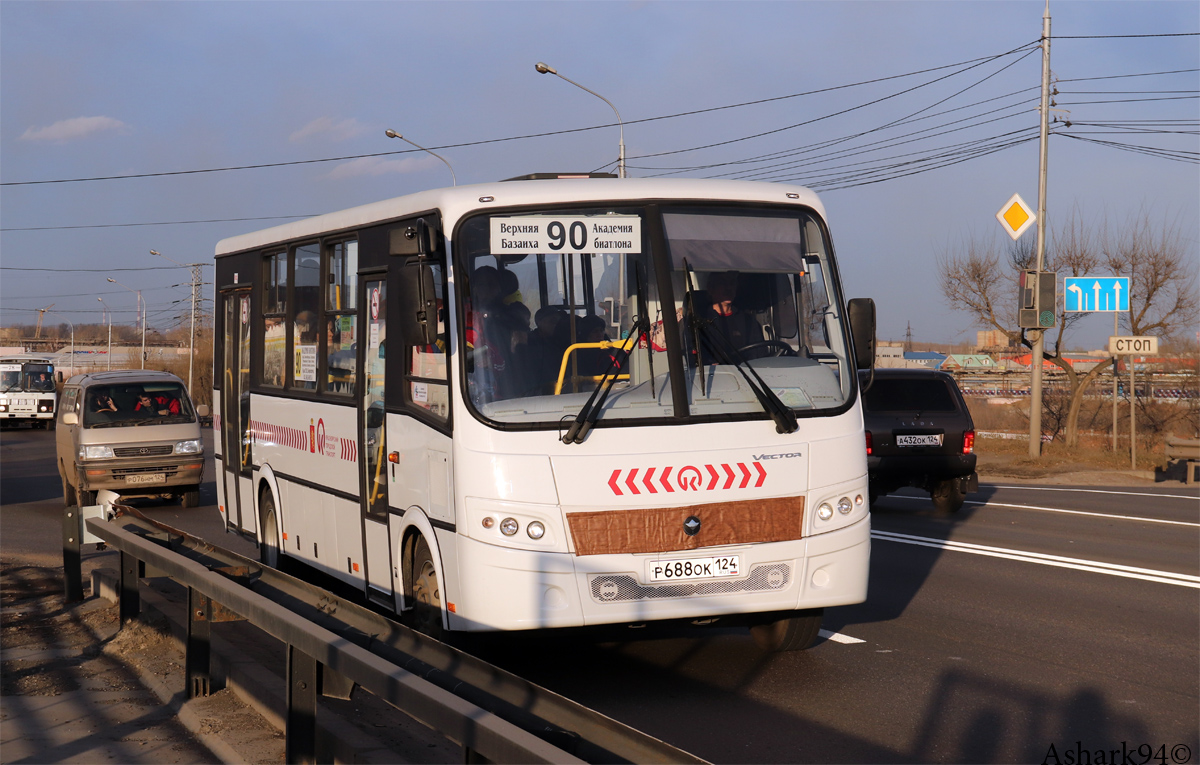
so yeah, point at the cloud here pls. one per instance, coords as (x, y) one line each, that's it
(76, 127)
(326, 127)
(379, 166)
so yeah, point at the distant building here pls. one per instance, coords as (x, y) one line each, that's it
(930, 359)
(991, 338)
(968, 362)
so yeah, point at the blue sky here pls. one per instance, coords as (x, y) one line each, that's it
(117, 88)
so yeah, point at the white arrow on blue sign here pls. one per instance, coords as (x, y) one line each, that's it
(1096, 293)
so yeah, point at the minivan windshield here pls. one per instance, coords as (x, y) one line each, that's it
(136, 404)
(554, 302)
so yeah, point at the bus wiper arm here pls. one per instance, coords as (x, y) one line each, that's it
(590, 412)
(781, 413)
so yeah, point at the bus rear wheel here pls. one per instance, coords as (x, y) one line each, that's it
(790, 633)
(426, 592)
(268, 548)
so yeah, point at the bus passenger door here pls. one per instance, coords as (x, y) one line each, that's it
(372, 440)
(235, 412)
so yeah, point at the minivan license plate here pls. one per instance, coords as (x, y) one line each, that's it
(146, 478)
(930, 440)
(694, 568)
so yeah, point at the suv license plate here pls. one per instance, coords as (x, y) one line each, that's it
(146, 478)
(933, 440)
(693, 568)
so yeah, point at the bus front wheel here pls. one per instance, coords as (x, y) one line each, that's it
(268, 548)
(789, 633)
(426, 592)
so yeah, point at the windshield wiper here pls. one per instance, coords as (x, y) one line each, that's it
(781, 413)
(590, 412)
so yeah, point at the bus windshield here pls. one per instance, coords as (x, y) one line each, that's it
(743, 298)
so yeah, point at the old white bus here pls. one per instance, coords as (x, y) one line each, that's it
(553, 402)
(27, 389)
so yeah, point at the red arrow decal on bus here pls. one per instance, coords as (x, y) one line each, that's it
(612, 482)
(736, 475)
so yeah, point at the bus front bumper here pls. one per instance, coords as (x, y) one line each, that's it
(507, 589)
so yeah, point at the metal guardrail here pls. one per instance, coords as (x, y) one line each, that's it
(1183, 448)
(493, 714)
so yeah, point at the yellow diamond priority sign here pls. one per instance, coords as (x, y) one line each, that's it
(1016, 217)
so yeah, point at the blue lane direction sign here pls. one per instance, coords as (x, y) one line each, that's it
(1087, 294)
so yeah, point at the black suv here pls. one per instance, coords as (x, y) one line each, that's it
(919, 433)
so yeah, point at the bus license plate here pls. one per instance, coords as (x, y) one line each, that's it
(931, 440)
(146, 478)
(694, 568)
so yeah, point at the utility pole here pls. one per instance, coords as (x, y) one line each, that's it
(195, 297)
(1039, 335)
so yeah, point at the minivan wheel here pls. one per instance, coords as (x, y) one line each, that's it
(190, 498)
(791, 633)
(69, 498)
(948, 495)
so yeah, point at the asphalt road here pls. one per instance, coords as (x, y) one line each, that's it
(1035, 623)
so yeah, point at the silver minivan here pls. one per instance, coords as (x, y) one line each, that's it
(132, 431)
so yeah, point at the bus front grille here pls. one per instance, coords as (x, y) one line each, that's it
(613, 588)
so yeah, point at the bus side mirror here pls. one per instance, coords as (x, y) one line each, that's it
(413, 238)
(862, 329)
(70, 418)
(418, 304)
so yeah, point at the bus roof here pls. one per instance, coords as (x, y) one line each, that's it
(455, 202)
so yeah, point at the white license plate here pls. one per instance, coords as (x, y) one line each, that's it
(934, 440)
(693, 568)
(146, 478)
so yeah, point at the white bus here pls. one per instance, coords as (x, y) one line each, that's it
(27, 390)
(546, 403)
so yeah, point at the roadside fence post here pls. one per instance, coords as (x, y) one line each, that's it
(72, 557)
(197, 658)
(300, 731)
(131, 601)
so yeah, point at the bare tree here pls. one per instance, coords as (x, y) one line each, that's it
(1162, 295)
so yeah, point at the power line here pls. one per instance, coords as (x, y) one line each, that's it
(1118, 37)
(92, 270)
(509, 138)
(160, 223)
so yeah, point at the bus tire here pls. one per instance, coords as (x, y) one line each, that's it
(426, 592)
(268, 548)
(790, 633)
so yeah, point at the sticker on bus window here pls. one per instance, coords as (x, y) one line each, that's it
(567, 234)
(306, 363)
(374, 339)
(420, 392)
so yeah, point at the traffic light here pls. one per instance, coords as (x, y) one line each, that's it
(1038, 295)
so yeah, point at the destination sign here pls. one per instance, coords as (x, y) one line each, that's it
(545, 234)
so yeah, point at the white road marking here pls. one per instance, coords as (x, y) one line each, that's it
(1078, 564)
(838, 637)
(1095, 491)
(1082, 512)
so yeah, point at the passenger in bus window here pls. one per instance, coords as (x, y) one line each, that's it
(542, 354)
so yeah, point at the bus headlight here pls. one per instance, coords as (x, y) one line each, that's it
(825, 511)
(844, 506)
(3, 407)
(509, 526)
(95, 453)
(535, 530)
(192, 446)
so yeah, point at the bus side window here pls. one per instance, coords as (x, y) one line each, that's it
(427, 382)
(340, 357)
(274, 346)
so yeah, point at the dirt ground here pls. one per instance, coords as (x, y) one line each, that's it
(74, 689)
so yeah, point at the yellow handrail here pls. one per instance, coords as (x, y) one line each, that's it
(625, 345)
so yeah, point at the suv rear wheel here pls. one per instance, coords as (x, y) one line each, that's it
(948, 495)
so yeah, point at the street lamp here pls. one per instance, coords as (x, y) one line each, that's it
(109, 315)
(142, 308)
(394, 134)
(544, 69)
(195, 293)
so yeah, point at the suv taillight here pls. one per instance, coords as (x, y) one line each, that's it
(968, 442)
(869, 442)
